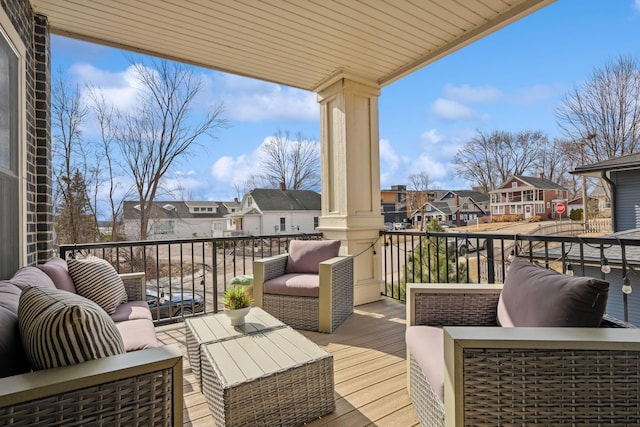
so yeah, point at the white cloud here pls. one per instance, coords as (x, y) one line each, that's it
(252, 100)
(472, 95)
(448, 109)
(119, 89)
(532, 94)
(636, 4)
(431, 137)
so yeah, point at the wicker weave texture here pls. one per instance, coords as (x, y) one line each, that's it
(342, 291)
(287, 398)
(134, 287)
(275, 267)
(139, 400)
(428, 406)
(551, 387)
(297, 312)
(455, 309)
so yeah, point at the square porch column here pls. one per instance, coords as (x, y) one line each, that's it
(350, 162)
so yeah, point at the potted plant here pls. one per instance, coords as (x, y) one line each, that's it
(237, 302)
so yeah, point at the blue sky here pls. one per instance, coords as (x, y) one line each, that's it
(511, 80)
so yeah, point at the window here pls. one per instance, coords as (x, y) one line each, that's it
(316, 223)
(11, 111)
(539, 208)
(283, 224)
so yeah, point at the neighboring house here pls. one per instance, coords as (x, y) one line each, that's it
(180, 219)
(604, 200)
(528, 196)
(455, 207)
(622, 176)
(269, 211)
(393, 204)
(578, 204)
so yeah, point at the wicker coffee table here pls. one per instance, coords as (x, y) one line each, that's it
(213, 328)
(262, 374)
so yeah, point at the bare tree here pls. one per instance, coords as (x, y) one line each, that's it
(162, 130)
(70, 167)
(488, 160)
(602, 115)
(107, 118)
(418, 196)
(294, 163)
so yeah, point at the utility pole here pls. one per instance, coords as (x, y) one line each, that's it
(585, 215)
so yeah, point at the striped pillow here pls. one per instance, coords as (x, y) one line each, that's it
(98, 281)
(58, 328)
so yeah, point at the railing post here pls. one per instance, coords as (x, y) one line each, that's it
(491, 267)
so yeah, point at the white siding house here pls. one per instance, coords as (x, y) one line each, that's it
(179, 220)
(269, 211)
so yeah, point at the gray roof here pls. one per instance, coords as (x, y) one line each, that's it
(476, 196)
(542, 183)
(280, 200)
(630, 161)
(176, 209)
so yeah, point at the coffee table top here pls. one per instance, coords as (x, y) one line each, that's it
(217, 327)
(262, 354)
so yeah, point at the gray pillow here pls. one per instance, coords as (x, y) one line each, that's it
(58, 328)
(97, 280)
(305, 256)
(535, 296)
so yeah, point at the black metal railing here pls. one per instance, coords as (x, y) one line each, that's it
(187, 276)
(453, 257)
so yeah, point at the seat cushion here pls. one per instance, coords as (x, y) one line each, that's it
(98, 281)
(59, 328)
(137, 334)
(535, 296)
(57, 270)
(132, 310)
(305, 256)
(426, 344)
(300, 285)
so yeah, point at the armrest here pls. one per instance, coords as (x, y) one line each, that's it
(266, 269)
(440, 304)
(336, 292)
(135, 285)
(549, 375)
(140, 387)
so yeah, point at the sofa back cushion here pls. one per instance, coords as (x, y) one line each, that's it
(97, 280)
(57, 270)
(535, 296)
(31, 276)
(59, 328)
(305, 256)
(13, 361)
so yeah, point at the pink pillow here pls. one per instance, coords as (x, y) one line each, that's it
(305, 256)
(57, 270)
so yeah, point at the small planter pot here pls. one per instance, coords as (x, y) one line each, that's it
(237, 316)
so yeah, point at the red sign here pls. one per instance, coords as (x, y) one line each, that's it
(560, 208)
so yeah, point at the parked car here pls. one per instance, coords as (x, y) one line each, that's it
(162, 306)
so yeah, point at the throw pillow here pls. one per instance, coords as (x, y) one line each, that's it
(535, 296)
(57, 270)
(305, 256)
(98, 281)
(58, 328)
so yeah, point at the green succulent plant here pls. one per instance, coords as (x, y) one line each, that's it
(236, 297)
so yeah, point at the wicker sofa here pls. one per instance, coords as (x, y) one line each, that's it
(465, 370)
(142, 387)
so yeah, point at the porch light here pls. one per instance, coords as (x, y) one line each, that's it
(626, 286)
(569, 271)
(605, 268)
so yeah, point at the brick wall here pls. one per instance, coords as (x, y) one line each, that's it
(34, 32)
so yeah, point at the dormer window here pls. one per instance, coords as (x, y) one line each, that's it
(169, 207)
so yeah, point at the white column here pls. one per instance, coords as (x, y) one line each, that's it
(351, 179)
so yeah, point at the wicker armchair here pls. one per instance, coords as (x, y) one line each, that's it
(323, 313)
(514, 376)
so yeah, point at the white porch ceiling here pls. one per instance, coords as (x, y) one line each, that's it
(304, 44)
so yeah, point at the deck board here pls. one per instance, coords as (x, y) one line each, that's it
(369, 368)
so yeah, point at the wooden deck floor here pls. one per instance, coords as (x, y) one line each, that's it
(369, 363)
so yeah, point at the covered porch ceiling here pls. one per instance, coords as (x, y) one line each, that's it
(304, 44)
